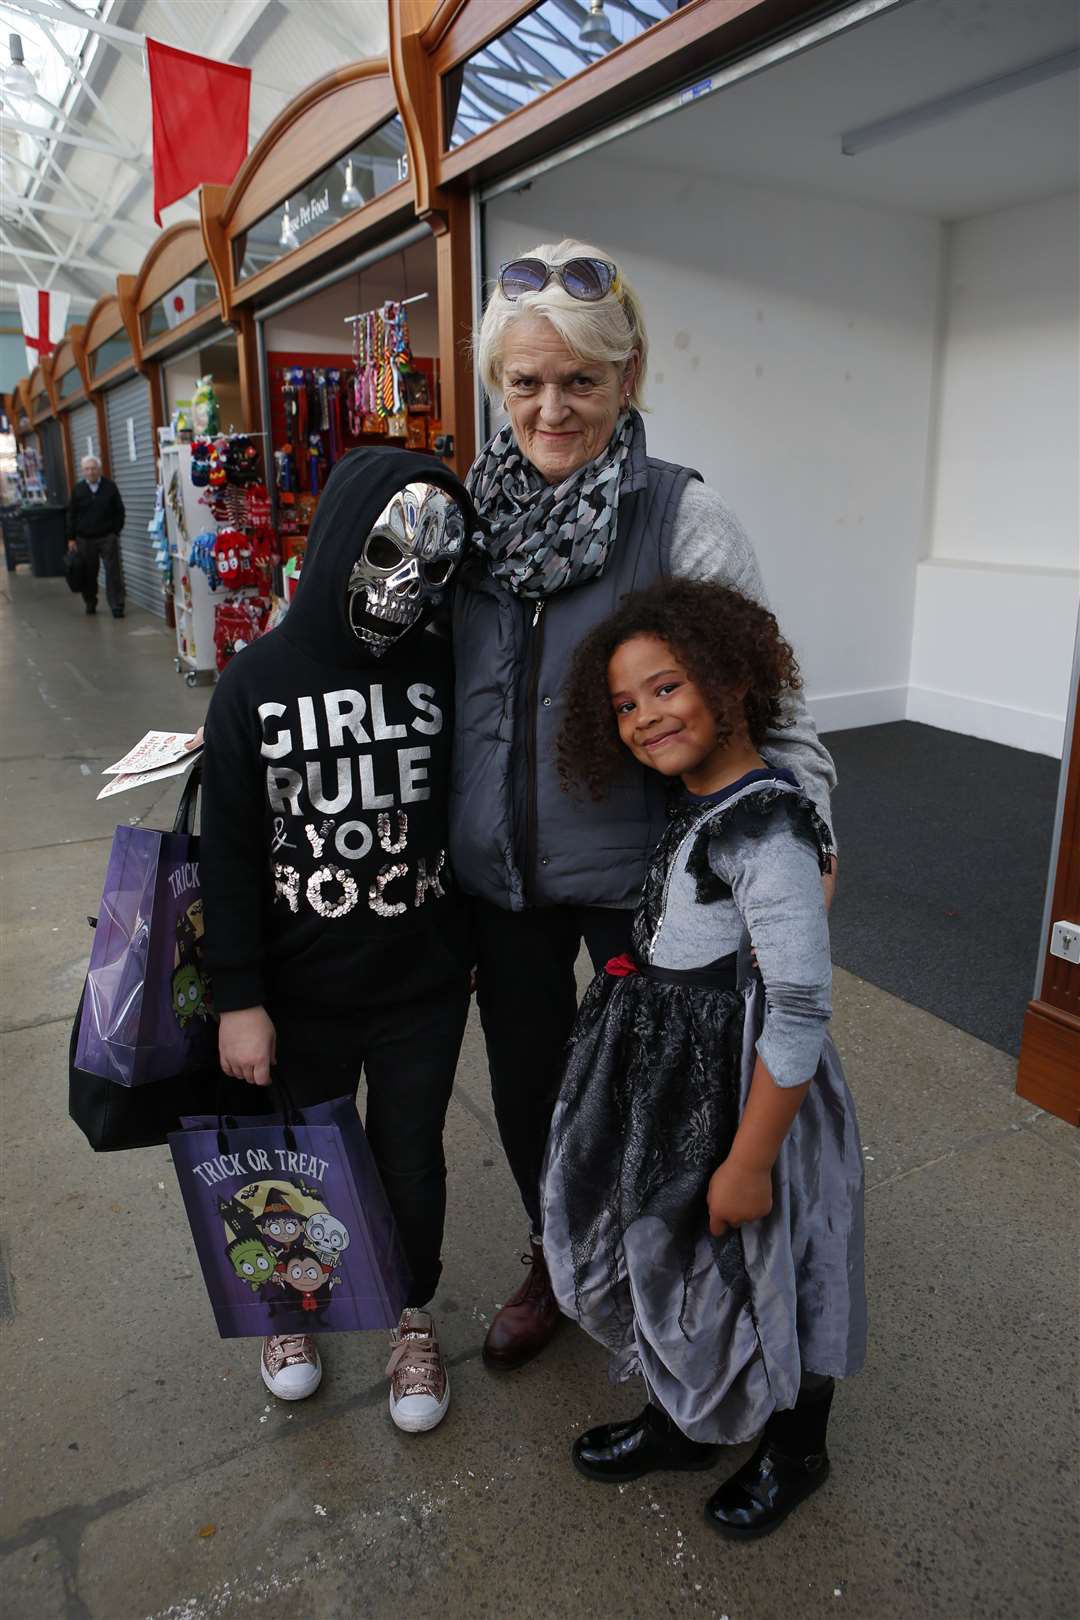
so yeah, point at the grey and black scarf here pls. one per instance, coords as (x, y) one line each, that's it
(541, 537)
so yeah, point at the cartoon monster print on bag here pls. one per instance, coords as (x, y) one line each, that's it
(190, 992)
(284, 1244)
(252, 1261)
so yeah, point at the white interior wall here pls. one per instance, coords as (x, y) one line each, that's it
(318, 323)
(792, 362)
(997, 595)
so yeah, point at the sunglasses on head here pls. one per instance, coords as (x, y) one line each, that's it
(587, 279)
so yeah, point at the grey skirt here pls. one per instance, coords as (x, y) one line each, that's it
(721, 1330)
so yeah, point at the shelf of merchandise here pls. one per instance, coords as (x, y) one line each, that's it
(192, 597)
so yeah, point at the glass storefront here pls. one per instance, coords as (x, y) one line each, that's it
(110, 353)
(177, 305)
(550, 44)
(355, 178)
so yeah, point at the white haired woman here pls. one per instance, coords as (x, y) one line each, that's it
(576, 514)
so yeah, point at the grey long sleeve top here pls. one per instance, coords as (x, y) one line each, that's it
(776, 900)
(710, 543)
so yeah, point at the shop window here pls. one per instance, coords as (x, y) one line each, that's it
(181, 301)
(357, 176)
(41, 403)
(70, 383)
(543, 49)
(110, 353)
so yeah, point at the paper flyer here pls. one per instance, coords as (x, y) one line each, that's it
(156, 750)
(121, 784)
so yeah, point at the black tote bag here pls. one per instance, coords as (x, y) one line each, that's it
(114, 1117)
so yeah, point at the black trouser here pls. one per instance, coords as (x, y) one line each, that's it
(102, 548)
(408, 1052)
(527, 995)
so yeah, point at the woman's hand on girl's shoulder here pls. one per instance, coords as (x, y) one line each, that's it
(737, 1194)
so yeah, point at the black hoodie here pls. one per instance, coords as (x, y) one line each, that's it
(325, 786)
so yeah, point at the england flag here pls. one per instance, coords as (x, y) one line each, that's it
(44, 321)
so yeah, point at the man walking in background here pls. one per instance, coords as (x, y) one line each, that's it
(95, 520)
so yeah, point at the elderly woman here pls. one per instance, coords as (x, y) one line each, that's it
(576, 513)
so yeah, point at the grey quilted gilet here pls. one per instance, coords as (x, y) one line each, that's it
(515, 837)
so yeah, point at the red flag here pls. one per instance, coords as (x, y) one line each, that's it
(200, 110)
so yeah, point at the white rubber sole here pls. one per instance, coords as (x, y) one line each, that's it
(297, 1395)
(410, 1424)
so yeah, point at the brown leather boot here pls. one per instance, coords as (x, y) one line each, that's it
(523, 1326)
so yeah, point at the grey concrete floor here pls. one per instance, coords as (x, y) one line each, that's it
(147, 1473)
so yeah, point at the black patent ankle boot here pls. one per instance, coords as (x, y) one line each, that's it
(638, 1446)
(788, 1466)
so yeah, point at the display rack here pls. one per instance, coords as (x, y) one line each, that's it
(185, 517)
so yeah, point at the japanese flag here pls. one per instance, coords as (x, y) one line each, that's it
(44, 321)
(180, 302)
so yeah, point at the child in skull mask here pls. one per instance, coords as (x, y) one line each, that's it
(333, 936)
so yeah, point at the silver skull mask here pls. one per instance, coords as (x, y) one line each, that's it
(405, 564)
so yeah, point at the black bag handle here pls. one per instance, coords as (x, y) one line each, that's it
(189, 799)
(290, 1116)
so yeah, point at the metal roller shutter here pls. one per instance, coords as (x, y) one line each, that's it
(52, 455)
(82, 425)
(127, 416)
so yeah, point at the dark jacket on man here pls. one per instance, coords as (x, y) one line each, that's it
(94, 513)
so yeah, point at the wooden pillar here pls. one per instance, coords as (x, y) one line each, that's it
(69, 453)
(103, 432)
(1049, 1070)
(247, 350)
(152, 370)
(453, 247)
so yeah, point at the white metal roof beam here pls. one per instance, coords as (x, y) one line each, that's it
(99, 269)
(76, 297)
(121, 39)
(31, 205)
(66, 138)
(8, 247)
(315, 17)
(239, 25)
(75, 69)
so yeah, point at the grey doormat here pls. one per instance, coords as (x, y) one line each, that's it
(944, 853)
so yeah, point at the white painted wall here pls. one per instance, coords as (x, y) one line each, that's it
(891, 406)
(793, 342)
(1006, 477)
(997, 597)
(317, 324)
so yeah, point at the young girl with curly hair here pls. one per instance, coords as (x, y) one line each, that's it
(703, 1188)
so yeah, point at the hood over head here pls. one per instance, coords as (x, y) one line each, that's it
(359, 488)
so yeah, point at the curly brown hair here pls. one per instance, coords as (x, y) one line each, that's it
(723, 640)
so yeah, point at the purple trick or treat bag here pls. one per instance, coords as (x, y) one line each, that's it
(146, 1009)
(291, 1223)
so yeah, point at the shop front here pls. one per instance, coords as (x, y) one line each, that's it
(831, 215)
(841, 292)
(182, 336)
(332, 283)
(126, 422)
(49, 435)
(77, 413)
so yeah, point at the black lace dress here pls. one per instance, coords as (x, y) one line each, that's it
(658, 1069)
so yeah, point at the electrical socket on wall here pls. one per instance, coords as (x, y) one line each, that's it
(1065, 941)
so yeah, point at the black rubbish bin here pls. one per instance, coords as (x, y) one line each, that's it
(47, 528)
(16, 546)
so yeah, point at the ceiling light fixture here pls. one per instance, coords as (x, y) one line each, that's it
(288, 237)
(351, 197)
(595, 30)
(885, 130)
(17, 80)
